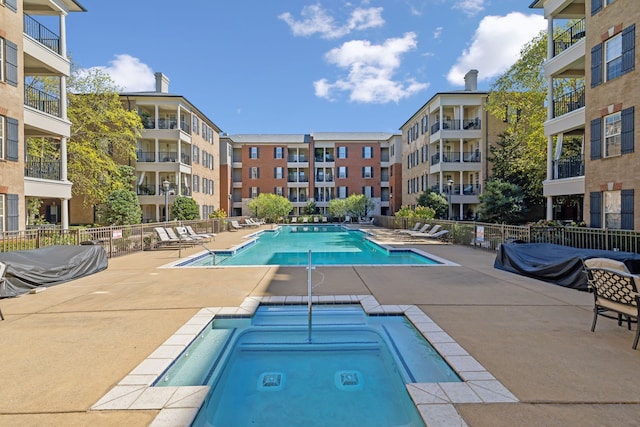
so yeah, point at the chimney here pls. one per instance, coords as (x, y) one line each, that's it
(471, 80)
(162, 83)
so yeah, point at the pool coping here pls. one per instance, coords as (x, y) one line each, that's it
(179, 405)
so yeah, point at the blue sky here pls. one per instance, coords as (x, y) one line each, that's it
(298, 66)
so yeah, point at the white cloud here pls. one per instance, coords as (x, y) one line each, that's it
(496, 45)
(130, 74)
(371, 69)
(469, 7)
(437, 33)
(316, 20)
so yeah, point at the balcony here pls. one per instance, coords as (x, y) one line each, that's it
(569, 37)
(297, 158)
(568, 168)
(42, 34)
(568, 102)
(43, 169)
(146, 156)
(42, 101)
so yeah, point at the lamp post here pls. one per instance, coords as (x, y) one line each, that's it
(165, 185)
(450, 187)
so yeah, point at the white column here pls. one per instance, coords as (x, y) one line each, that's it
(64, 214)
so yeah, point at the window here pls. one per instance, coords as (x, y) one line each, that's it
(278, 153)
(254, 172)
(2, 120)
(343, 192)
(342, 172)
(612, 135)
(195, 183)
(254, 152)
(367, 172)
(1, 59)
(612, 209)
(2, 216)
(254, 192)
(342, 152)
(613, 57)
(367, 152)
(278, 191)
(367, 191)
(278, 173)
(196, 154)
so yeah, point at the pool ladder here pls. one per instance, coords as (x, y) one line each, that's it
(310, 292)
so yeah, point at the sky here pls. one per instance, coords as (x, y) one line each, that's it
(302, 66)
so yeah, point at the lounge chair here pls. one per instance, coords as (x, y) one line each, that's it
(235, 225)
(181, 238)
(363, 221)
(316, 219)
(305, 220)
(164, 238)
(437, 235)
(294, 220)
(615, 291)
(248, 222)
(416, 227)
(183, 234)
(192, 233)
(324, 219)
(257, 221)
(423, 229)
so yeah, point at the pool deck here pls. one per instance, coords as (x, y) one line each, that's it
(65, 348)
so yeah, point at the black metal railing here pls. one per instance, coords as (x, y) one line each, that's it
(570, 36)
(42, 34)
(146, 156)
(42, 101)
(568, 102)
(569, 167)
(43, 169)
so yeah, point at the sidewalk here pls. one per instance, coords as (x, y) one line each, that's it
(66, 347)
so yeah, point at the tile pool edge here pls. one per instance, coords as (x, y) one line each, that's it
(180, 405)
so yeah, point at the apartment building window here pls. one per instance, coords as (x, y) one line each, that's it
(1, 59)
(195, 183)
(618, 132)
(196, 154)
(368, 191)
(343, 192)
(254, 172)
(278, 173)
(367, 152)
(254, 192)
(195, 124)
(211, 159)
(2, 216)
(278, 153)
(343, 172)
(367, 172)
(2, 121)
(278, 191)
(619, 56)
(612, 135)
(612, 209)
(254, 153)
(343, 152)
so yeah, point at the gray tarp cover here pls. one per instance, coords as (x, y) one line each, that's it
(557, 264)
(49, 266)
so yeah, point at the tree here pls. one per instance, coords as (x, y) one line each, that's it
(218, 213)
(502, 202)
(310, 208)
(359, 205)
(121, 207)
(270, 206)
(103, 137)
(436, 201)
(338, 208)
(184, 209)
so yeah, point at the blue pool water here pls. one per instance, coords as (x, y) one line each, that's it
(329, 244)
(263, 371)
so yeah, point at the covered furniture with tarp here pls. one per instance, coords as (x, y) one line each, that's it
(53, 265)
(561, 265)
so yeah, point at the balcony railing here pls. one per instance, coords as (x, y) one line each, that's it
(43, 169)
(567, 38)
(568, 168)
(168, 156)
(42, 34)
(293, 178)
(42, 101)
(301, 158)
(568, 102)
(146, 190)
(146, 156)
(327, 158)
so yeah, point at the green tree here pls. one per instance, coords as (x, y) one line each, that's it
(338, 208)
(184, 209)
(404, 212)
(310, 208)
(359, 205)
(502, 202)
(270, 206)
(218, 213)
(121, 207)
(436, 201)
(103, 137)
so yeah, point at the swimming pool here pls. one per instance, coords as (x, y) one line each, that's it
(330, 245)
(264, 371)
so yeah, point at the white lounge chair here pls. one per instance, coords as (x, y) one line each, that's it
(192, 233)
(416, 227)
(423, 229)
(181, 238)
(324, 219)
(435, 236)
(235, 225)
(363, 221)
(183, 234)
(294, 220)
(164, 238)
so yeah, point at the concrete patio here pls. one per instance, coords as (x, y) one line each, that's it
(66, 347)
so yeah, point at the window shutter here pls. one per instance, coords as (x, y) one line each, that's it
(627, 130)
(595, 209)
(628, 48)
(11, 51)
(258, 172)
(346, 152)
(363, 172)
(12, 139)
(596, 139)
(596, 6)
(626, 209)
(13, 214)
(596, 65)
(12, 4)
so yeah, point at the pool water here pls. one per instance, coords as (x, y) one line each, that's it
(264, 371)
(329, 244)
